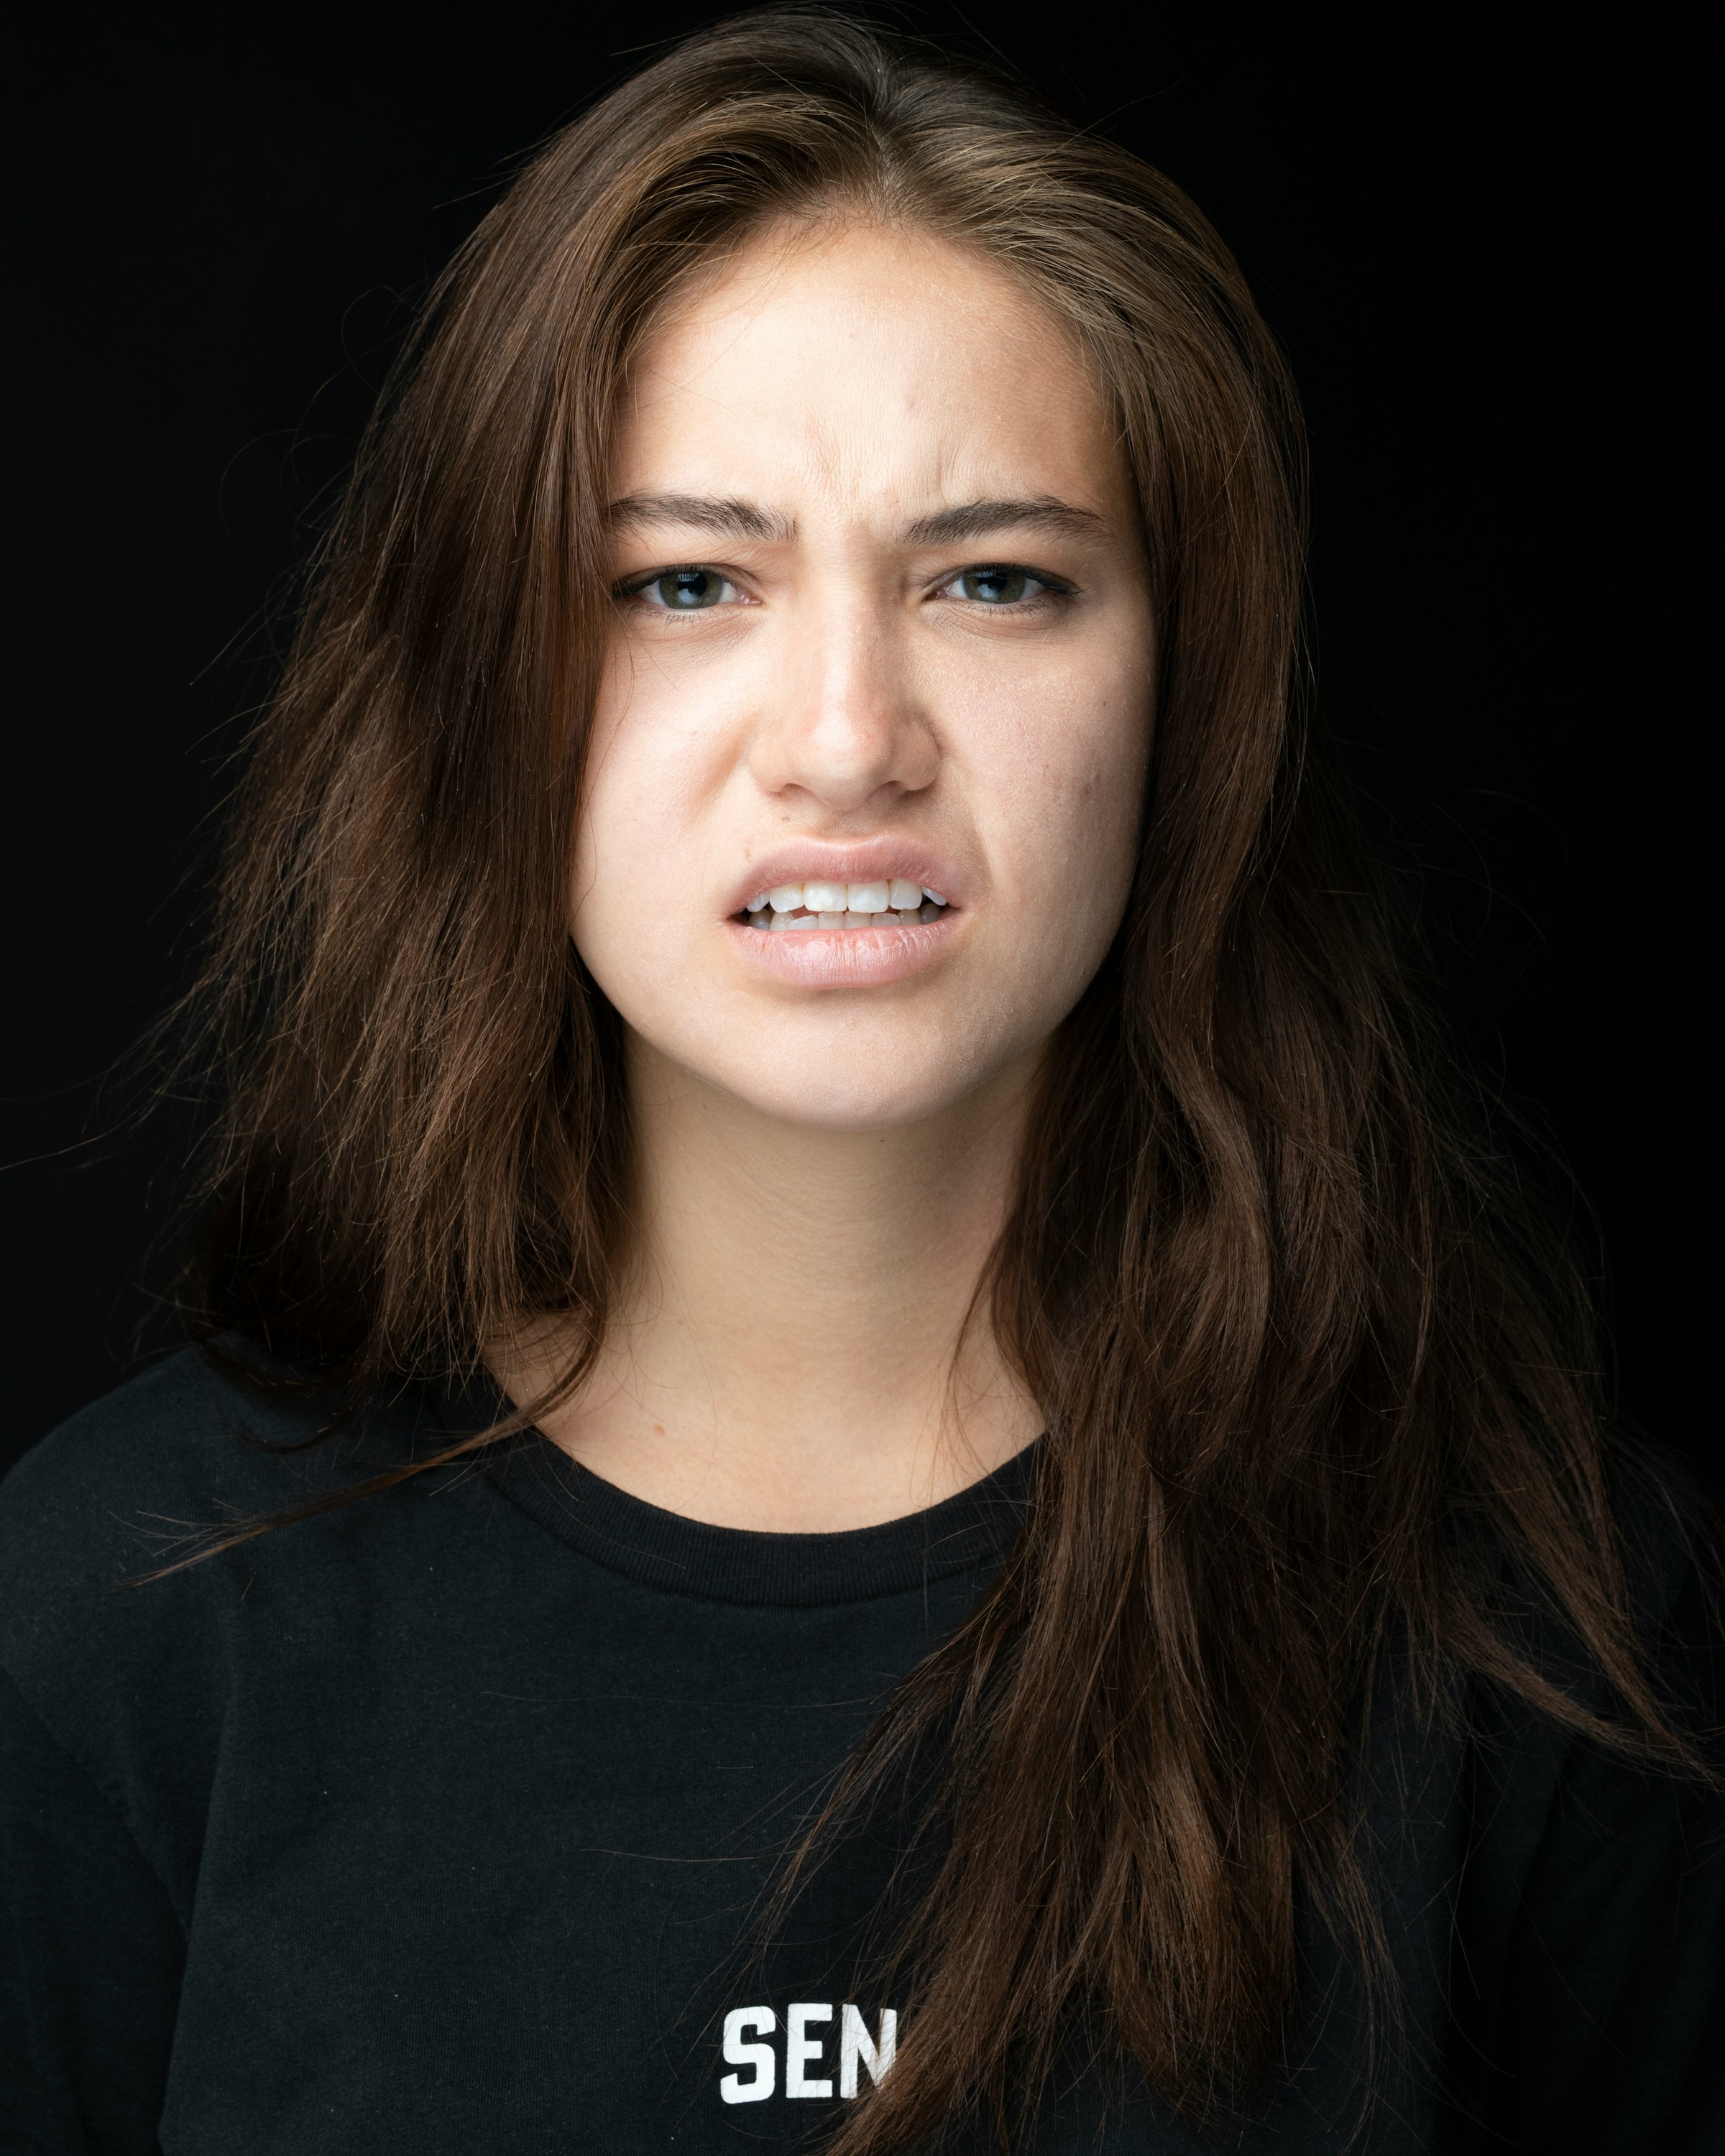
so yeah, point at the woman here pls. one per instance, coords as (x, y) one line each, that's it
(867, 1462)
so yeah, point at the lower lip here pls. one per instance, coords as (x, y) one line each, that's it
(845, 957)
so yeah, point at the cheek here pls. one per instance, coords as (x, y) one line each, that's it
(625, 855)
(648, 772)
(1068, 781)
(604, 793)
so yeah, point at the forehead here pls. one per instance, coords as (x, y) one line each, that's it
(865, 364)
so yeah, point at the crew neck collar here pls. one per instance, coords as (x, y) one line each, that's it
(664, 1550)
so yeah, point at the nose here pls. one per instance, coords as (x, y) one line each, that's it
(845, 729)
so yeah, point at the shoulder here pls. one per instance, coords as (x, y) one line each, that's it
(134, 1482)
(106, 1495)
(1547, 1775)
(1591, 1908)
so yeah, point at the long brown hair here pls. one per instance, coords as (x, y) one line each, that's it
(1309, 1389)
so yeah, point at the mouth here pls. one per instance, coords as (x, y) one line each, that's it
(852, 908)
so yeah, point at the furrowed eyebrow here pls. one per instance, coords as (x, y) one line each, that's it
(977, 519)
(730, 518)
(724, 519)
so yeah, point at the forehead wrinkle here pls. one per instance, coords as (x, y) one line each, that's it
(838, 460)
(724, 516)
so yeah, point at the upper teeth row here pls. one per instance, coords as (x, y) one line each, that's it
(898, 896)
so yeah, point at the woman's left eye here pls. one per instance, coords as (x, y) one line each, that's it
(1001, 585)
(683, 591)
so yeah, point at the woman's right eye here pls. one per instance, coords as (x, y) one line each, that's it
(682, 590)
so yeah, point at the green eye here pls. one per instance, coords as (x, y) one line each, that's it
(994, 586)
(685, 590)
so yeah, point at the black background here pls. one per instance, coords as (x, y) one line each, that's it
(1476, 238)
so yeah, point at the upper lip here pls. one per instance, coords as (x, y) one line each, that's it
(871, 860)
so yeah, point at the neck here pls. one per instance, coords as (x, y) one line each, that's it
(790, 1351)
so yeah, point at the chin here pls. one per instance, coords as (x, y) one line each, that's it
(813, 1094)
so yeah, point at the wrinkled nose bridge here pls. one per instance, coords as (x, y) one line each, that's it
(845, 726)
(853, 701)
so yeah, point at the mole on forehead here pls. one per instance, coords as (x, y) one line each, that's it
(728, 518)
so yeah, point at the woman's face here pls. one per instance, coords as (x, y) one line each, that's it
(882, 629)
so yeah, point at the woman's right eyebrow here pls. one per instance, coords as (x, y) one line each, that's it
(724, 517)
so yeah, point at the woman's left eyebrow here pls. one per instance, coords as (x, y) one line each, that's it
(977, 520)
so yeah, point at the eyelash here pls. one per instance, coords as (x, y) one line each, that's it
(633, 587)
(1053, 587)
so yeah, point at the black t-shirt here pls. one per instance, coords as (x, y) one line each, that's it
(450, 1821)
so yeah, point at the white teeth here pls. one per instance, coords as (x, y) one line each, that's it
(890, 919)
(890, 901)
(903, 917)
